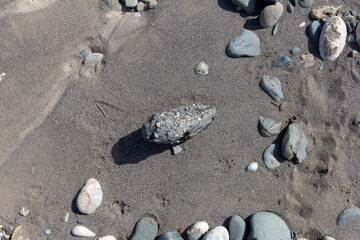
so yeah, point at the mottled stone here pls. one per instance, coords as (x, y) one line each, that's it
(272, 87)
(306, 3)
(197, 230)
(347, 215)
(271, 14)
(307, 59)
(272, 156)
(315, 30)
(247, 5)
(246, 44)
(268, 127)
(145, 229)
(237, 228)
(283, 61)
(322, 11)
(294, 144)
(217, 233)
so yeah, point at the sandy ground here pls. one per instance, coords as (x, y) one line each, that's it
(68, 128)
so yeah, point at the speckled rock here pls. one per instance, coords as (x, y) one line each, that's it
(315, 30)
(283, 61)
(178, 124)
(170, 236)
(197, 230)
(271, 14)
(293, 146)
(217, 233)
(321, 11)
(252, 167)
(272, 87)
(247, 5)
(306, 3)
(307, 60)
(145, 229)
(332, 39)
(268, 127)
(272, 156)
(268, 226)
(246, 44)
(90, 197)
(237, 228)
(347, 215)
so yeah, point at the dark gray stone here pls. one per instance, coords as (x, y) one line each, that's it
(353, 53)
(237, 228)
(247, 5)
(272, 156)
(293, 146)
(271, 1)
(268, 127)
(347, 215)
(272, 87)
(305, 3)
(353, 25)
(295, 50)
(294, 2)
(145, 229)
(267, 226)
(246, 44)
(170, 236)
(7, 230)
(283, 61)
(315, 30)
(178, 124)
(290, 8)
(85, 52)
(348, 27)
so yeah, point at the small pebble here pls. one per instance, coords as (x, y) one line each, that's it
(354, 13)
(353, 25)
(252, 167)
(85, 52)
(323, 21)
(217, 233)
(170, 236)
(202, 69)
(349, 19)
(275, 29)
(66, 217)
(268, 127)
(141, 7)
(7, 230)
(282, 106)
(327, 238)
(130, 3)
(283, 61)
(293, 234)
(237, 228)
(270, 15)
(353, 53)
(146, 228)
(294, 143)
(176, 149)
(135, 14)
(321, 67)
(47, 232)
(266, 225)
(32, 170)
(358, 62)
(348, 27)
(302, 24)
(24, 211)
(272, 156)
(290, 8)
(294, 2)
(320, 12)
(81, 231)
(351, 38)
(47, 200)
(245, 44)
(102, 39)
(295, 50)
(308, 60)
(79, 221)
(108, 237)
(315, 30)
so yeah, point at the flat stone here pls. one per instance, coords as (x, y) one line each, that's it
(347, 215)
(268, 127)
(271, 14)
(315, 30)
(332, 39)
(272, 156)
(283, 61)
(295, 50)
(358, 34)
(237, 228)
(348, 27)
(268, 226)
(307, 59)
(293, 146)
(321, 11)
(290, 8)
(170, 236)
(110, 5)
(272, 87)
(197, 230)
(217, 233)
(93, 58)
(247, 5)
(246, 44)
(176, 149)
(306, 3)
(90, 197)
(145, 229)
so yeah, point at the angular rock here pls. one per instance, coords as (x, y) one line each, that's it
(295, 50)
(268, 127)
(347, 215)
(271, 14)
(217, 233)
(358, 34)
(197, 230)
(293, 146)
(110, 5)
(93, 58)
(178, 124)
(290, 8)
(283, 61)
(237, 228)
(332, 39)
(90, 197)
(130, 3)
(322, 11)
(246, 44)
(268, 226)
(145, 229)
(247, 5)
(272, 156)
(81, 231)
(307, 59)
(170, 236)
(272, 87)
(315, 30)
(306, 3)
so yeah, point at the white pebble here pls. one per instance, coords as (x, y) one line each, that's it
(108, 237)
(90, 197)
(81, 231)
(66, 217)
(252, 167)
(47, 232)
(217, 233)
(302, 24)
(328, 238)
(202, 69)
(24, 211)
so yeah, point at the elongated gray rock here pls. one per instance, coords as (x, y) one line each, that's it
(145, 229)
(237, 228)
(197, 230)
(268, 127)
(267, 226)
(270, 15)
(178, 124)
(290, 8)
(217, 233)
(246, 44)
(315, 30)
(293, 146)
(347, 215)
(272, 156)
(272, 87)
(332, 39)
(170, 236)
(247, 5)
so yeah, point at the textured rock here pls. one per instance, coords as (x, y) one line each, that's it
(252, 167)
(315, 30)
(283, 61)
(217, 233)
(272, 156)
(322, 11)
(347, 215)
(358, 34)
(332, 39)
(202, 69)
(170, 236)
(268, 226)
(247, 5)
(178, 124)
(293, 146)
(290, 8)
(272, 87)
(246, 44)
(268, 127)
(237, 228)
(306, 3)
(145, 229)
(271, 14)
(307, 59)
(90, 196)
(197, 230)
(130, 3)
(81, 231)
(295, 50)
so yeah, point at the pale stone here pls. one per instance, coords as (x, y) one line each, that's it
(321, 11)
(90, 197)
(81, 231)
(197, 230)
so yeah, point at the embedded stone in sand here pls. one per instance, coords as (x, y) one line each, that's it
(90, 197)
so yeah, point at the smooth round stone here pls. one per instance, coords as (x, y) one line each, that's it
(217, 233)
(272, 156)
(321, 11)
(246, 44)
(327, 238)
(237, 228)
(290, 8)
(145, 229)
(349, 18)
(347, 215)
(293, 146)
(108, 237)
(90, 197)
(47, 232)
(353, 25)
(130, 3)
(295, 50)
(81, 231)
(358, 34)
(197, 230)
(267, 226)
(307, 59)
(306, 3)
(170, 236)
(283, 61)
(315, 30)
(268, 127)
(271, 14)
(252, 167)
(272, 87)
(354, 13)
(247, 5)
(332, 39)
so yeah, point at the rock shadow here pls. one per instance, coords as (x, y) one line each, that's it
(313, 46)
(132, 149)
(252, 24)
(227, 5)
